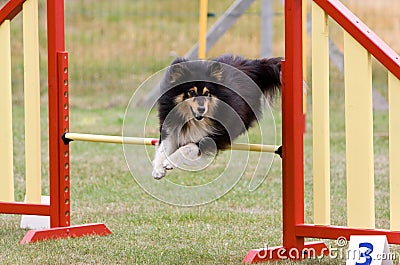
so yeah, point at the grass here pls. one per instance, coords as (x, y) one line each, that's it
(113, 48)
(147, 231)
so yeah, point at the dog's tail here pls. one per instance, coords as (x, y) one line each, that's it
(268, 76)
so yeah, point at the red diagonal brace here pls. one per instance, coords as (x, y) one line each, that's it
(65, 232)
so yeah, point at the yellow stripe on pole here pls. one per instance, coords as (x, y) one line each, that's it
(394, 150)
(6, 134)
(359, 135)
(320, 115)
(32, 101)
(203, 29)
(150, 141)
(111, 139)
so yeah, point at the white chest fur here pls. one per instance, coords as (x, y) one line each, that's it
(193, 131)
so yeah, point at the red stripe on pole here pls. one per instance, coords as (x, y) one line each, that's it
(55, 39)
(24, 208)
(64, 168)
(10, 9)
(292, 127)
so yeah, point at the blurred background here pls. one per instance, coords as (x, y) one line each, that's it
(115, 45)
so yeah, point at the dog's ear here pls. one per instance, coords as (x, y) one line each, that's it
(177, 70)
(215, 71)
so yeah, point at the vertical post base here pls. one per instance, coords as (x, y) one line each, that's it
(311, 250)
(65, 232)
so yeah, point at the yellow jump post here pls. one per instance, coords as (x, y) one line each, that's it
(394, 150)
(32, 101)
(320, 115)
(359, 135)
(203, 29)
(6, 134)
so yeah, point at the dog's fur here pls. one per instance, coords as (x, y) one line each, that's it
(205, 105)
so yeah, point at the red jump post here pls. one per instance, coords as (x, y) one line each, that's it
(59, 156)
(59, 124)
(292, 147)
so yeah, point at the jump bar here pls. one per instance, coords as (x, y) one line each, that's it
(68, 137)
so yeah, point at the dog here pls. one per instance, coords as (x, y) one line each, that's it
(205, 105)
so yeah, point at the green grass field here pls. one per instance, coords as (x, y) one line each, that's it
(145, 230)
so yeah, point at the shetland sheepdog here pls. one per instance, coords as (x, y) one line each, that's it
(205, 104)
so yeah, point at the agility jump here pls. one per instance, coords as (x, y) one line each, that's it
(58, 108)
(359, 40)
(360, 44)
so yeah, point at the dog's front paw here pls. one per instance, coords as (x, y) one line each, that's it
(168, 165)
(158, 173)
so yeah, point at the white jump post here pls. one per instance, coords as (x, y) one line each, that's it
(394, 150)
(359, 135)
(6, 132)
(32, 101)
(320, 115)
(33, 161)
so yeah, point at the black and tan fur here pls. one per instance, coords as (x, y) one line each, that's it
(206, 104)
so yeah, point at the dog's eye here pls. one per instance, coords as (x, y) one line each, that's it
(192, 93)
(207, 94)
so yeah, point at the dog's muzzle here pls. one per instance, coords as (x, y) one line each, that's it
(199, 115)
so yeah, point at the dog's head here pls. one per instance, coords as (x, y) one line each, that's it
(195, 84)
(197, 100)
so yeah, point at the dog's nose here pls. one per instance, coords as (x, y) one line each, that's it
(201, 109)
